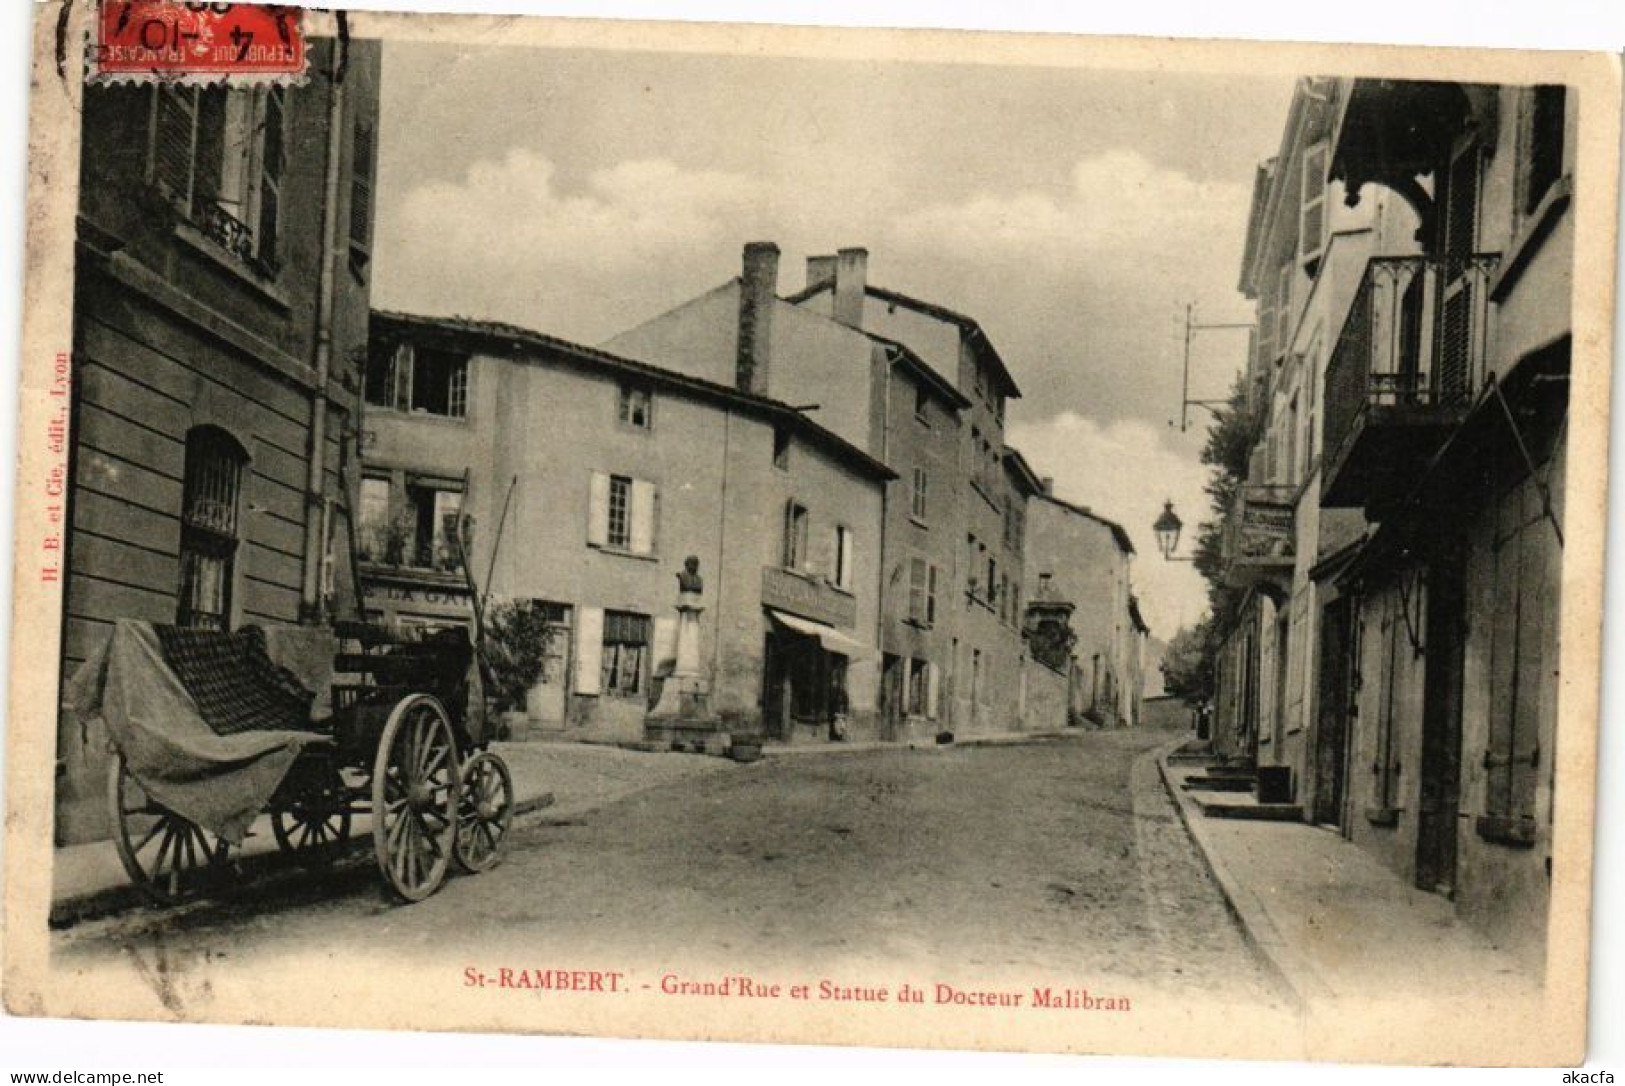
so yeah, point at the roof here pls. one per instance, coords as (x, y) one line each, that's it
(968, 326)
(1134, 614)
(921, 372)
(1023, 471)
(502, 339)
(1124, 544)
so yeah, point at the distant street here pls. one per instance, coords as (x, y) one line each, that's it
(1052, 859)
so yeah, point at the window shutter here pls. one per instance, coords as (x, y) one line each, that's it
(1312, 209)
(174, 123)
(933, 688)
(931, 596)
(361, 172)
(269, 224)
(916, 590)
(643, 517)
(598, 511)
(1533, 667)
(589, 650)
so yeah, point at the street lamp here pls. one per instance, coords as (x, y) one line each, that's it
(1167, 527)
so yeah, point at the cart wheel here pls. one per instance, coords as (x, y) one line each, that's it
(414, 797)
(169, 858)
(484, 812)
(311, 833)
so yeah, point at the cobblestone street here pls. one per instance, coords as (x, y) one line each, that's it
(1059, 861)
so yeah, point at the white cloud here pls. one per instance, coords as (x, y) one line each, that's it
(1124, 470)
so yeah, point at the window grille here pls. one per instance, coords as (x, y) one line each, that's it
(209, 510)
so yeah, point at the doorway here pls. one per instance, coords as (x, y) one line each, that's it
(1440, 803)
(1333, 696)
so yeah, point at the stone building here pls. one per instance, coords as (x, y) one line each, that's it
(590, 477)
(922, 389)
(1411, 252)
(220, 310)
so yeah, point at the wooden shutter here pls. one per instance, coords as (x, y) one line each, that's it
(589, 650)
(272, 157)
(598, 510)
(1312, 206)
(1498, 752)
(933, 689)
(931, 596)
(916, 589)
(174, 129)
(643, 517)
(1534, 540)
(361, 175)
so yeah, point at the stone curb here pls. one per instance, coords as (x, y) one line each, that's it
(1286, 966)
(1003, 739)
(271, 867)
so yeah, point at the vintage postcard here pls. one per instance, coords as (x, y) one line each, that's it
(855, 537)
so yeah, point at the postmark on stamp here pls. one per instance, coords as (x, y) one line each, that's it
(186, 39)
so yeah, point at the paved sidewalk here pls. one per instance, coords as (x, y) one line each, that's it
(567, 779)
(1330, 920)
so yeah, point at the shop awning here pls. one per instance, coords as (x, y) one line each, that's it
(828, 636)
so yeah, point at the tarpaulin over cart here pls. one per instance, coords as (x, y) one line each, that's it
(208, 723)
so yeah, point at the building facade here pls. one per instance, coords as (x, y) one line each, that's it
(581, 481)
(220, 312)
(1405, 670)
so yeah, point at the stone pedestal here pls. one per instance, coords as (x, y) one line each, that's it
(682, 718)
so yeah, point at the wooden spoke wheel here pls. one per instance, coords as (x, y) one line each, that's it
(484, 812)
(311, 830)
(169, 858)
(414, 797)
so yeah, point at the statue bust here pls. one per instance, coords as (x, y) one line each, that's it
(689, 581)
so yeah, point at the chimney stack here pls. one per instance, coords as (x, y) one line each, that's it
(851, 279)
(820, 270)
(1048, 483)
(758, 290)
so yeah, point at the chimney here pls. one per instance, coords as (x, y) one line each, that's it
(820, 270)
(1048, 483)
(851, 278)
(758, 290)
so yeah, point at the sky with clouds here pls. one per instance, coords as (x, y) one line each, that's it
(1075, 214)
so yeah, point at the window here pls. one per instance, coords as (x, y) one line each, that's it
(917, 505)
(382, 375)
(992, 580)
(1545, 107)
(922, 404)
(429, 532)
(626, 651)
(922, 592)
(361, 202)
(209, 505)
(795, 536)
(636, 407)
(622, 513)
(923, 685)
(843, 558)
(374, 542)
(422, 380)
(1312, 205)
(219, 155)
(781, 448)
(1283, 311)
(971, 564)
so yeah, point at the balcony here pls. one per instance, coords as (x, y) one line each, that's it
(1406, 367)
(1260, 538)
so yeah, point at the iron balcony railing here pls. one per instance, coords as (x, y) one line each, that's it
(1414, 338)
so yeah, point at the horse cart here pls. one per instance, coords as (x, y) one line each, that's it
(314, 733)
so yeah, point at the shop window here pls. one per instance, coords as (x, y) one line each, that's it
(209, 511)
(626, 652)
(636, 407)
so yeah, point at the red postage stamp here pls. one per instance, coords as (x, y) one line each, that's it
(178, 38)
